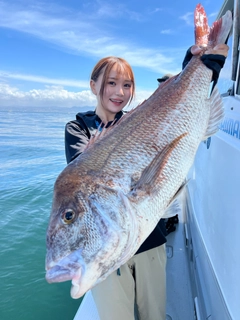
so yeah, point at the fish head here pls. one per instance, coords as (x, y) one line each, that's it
(82, 236)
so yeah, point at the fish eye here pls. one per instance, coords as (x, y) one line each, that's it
(68, 216)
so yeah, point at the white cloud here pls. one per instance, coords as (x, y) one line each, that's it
(81, 34)
(167, 31)
(53, 96)
(39, 79)
(157, 10)
(188, 18)
(50, 96)
(11, 96)
(116, 9)
(213, 15)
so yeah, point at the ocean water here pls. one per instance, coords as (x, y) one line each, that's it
(32, 156)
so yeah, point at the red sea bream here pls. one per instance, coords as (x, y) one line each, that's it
(109, 199)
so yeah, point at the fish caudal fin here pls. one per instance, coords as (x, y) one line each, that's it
(216, 113)
(210, 37)
(201, 26)
(220, 30)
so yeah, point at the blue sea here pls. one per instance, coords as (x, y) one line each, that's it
(32, 156)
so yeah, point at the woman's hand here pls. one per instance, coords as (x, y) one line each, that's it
(221, 49)
(214, 58)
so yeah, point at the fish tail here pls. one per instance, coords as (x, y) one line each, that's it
(210, 37)
(220, 30)
(201, 26)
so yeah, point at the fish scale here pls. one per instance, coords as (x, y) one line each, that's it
(118, 189)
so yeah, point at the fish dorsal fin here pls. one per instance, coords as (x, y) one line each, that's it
(216, 113)
(151, 174)
(100, 133)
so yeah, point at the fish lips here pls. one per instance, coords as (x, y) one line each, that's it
(61, 274)
(69, 268)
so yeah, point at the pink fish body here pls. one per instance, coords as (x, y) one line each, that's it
(108, 200)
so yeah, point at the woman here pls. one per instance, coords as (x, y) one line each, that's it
(142, 278)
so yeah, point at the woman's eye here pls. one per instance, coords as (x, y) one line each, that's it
(112, 83)
(68, 216)
(127, 85)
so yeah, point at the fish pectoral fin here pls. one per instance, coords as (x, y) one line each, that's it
(152, 173)
(216, 113)
(174, 205)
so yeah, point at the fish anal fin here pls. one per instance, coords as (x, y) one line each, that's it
(216, 113)
(152, 173)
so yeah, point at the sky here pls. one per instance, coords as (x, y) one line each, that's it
(49, 48)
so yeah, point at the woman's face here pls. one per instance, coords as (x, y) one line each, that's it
(117, 92)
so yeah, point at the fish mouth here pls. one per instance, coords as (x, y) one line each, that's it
(61, 274)
(68, 268)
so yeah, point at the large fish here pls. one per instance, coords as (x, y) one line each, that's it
(108, 200)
